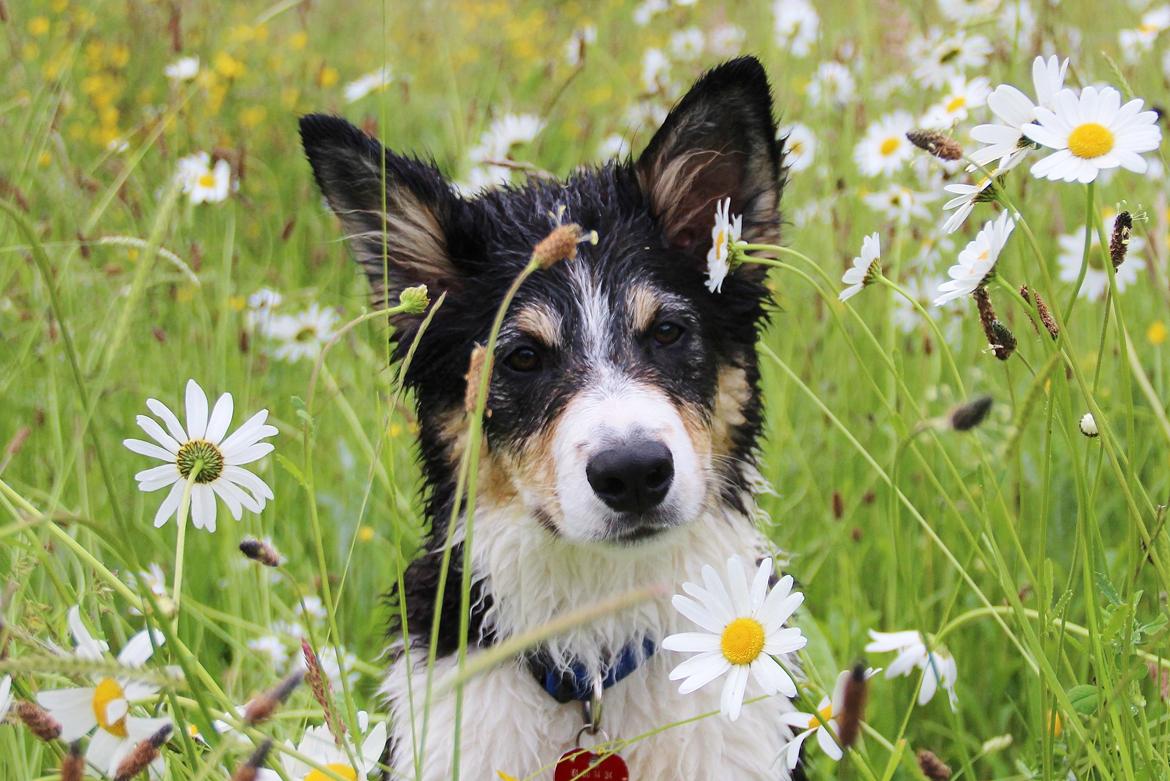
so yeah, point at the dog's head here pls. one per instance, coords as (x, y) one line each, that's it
(624, 397)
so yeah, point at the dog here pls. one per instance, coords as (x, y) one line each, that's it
(620, 447)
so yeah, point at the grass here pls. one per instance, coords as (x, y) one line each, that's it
(1038, 556)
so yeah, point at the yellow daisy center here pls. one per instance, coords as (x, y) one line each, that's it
(956, 103)
(826, 713)
(1090, 140)
(889, 146)
(742, 641)
(345, 771)
(207, 180)
(103, 694)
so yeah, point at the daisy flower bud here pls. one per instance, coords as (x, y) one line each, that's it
(1089, 425)
(969, 415)
(38, 720)
(932, 767)
(1119, 241)
(261, 551)
(561, 244)
(936, 143)
(414, 299)
(143, 754)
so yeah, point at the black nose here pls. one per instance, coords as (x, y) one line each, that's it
(634, 477)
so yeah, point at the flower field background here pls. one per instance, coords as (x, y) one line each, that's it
(158, 223)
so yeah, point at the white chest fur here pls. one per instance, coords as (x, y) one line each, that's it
(511, 724)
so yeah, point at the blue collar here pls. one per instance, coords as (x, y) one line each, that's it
(575, 683)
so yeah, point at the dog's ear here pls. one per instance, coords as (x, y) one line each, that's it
(396, 211)
(718, 142)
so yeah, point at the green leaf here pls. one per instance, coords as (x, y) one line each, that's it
(1107, 588)
(1085, 699)
(292, 469)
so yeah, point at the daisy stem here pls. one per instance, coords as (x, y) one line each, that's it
(181, 542)
(1085, 252)
(943, 346)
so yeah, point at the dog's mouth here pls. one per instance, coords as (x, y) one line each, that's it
(631, 529)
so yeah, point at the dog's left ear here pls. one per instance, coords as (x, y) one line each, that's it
(718, 142)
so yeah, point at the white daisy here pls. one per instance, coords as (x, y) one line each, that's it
(578, 43)
(260, 306)
(800, 146)
(318, 745)
(5, 696)
(744, 630)
(941, 56)
(203, 441)
(832, 84)
(797, 25)
(302, 335)
(960, 97)
(1017, 23)
(937, 666)
(1091, 132)
(724, 235)
(829, 709)
(1134, 43)
(1096, 282)
(503, 134)
(900, 203)
(865, 268)
(966, 196)
(1005, 142)
(614, 145)
(106, 705)
(647, 10)
(965, 11)
(182, 69)
(977, 260)
(372, 82)
(726, 40)
(202, 181)
(655, 70)
(152, 579)
(884, 148)
(687, 44)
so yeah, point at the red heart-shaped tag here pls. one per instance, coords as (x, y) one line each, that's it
(582, 765)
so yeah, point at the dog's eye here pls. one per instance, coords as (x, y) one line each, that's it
(667, 333)
(523, 359)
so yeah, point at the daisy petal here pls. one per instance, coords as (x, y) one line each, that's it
(221, 418)
(169, 505)
(155, 431)
(196, 410)
(691, 642)
(149, 449)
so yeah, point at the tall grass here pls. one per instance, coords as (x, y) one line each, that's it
(1035, 554)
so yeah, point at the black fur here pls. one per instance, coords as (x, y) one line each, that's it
(724, 127)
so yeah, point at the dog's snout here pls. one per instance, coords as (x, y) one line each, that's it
(632, 477)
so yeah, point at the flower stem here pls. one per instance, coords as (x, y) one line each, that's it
(181, 542)
(1085, 252)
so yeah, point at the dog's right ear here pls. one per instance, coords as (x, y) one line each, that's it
(395, 213)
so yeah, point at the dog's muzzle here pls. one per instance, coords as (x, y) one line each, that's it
(633, 477)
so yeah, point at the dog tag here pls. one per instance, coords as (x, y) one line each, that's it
(580, 764)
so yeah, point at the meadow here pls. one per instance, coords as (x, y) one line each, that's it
(158, 224)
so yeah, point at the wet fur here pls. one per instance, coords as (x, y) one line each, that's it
(653, 217)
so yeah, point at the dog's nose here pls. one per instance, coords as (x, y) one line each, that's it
(634, 477)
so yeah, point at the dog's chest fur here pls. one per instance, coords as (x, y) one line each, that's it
(511, 724)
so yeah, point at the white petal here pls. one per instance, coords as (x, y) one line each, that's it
(731, 701)
(203, 507)
(73, 708)
(248, 454)
(231, 495)
(929, 685)
(168, 418)
(245, 479)
(105, 751)
(760, 584)
(138, 648)
(149, 449)
(116, 709)
(827, 744)
(170, 504)
(767, 674)
(775, 613)
(247, 433)
(721, 602)
(87, 646)
(155, 431)
(221, 418)
(196, 410)
(691, 642)
(374, 745)
(714, 666)
(907, 659)
(793, 749)
(738, 587)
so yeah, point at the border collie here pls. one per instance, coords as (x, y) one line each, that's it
(620, 448)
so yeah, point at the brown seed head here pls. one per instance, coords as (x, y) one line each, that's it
(1119, 241)
(852, 706)
(261, 551)
(251, 767)
(938, 144)
(1046, 318)
(73, 766)
(261, 708)
(322, 691)
(969, 415)
(38, 720)
(932, 767)
(1003, 342)
(142, 755)
(475, 369)
(561, 244)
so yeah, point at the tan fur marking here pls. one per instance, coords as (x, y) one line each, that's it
(541, 323)
(643, 306)
(732, 394)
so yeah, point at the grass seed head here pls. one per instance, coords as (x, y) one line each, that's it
(250, 769)
(38, 720)
(1046, 318)
(561, 244)
(936, 143)
(1119, 241)
(970, 414)
(261, 551)
(414, 300)
(853, 706)
(139, 759)
(261, 708)
(73, 766)
(322, 691)
(932, 767)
